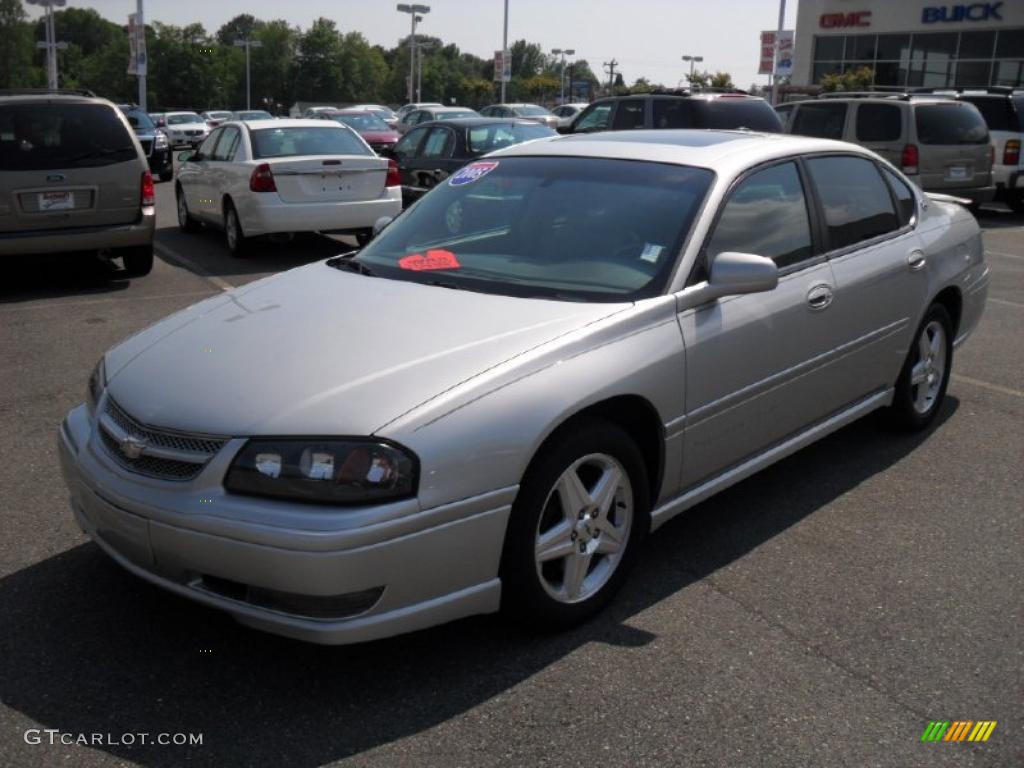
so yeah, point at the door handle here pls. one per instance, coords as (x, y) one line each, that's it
(917, 260)
(820, 297)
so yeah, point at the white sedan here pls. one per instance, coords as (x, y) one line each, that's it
(185, 128)
(264, 177)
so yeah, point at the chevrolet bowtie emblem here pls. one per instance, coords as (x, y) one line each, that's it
(132, 447)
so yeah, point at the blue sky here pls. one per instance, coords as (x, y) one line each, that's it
(646, 37)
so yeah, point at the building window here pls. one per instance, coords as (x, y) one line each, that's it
(930, 60)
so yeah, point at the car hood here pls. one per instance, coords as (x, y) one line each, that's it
(381, 137)
(185, 126)
(318, 351)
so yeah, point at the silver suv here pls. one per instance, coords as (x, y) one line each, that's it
(73, 177)
(941, 144)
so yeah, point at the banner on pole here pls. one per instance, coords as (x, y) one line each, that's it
(502, 66)
(784, 66)
(136, 45)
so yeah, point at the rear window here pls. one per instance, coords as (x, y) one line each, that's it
(879, 122)
(367, 122)
(726, 112)
(998, 112)
(454, 115)
(292, 142)
(47, 136)
(139, 120)
(951, 123)
(823, 121)
(487, 138)
(532, 110)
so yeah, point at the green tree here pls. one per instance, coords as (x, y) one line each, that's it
(16, 69)
(854, 80)
(184, 68)
(242, 27)
(273, 66)
(318, 71)
(364, 70)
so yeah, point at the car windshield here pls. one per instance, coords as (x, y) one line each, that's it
(953, 123)
(455, 115)
(139, 120)
(532, 110)
(367, 122)
(384, 114)
(488, 138)
(219, 115)
(183, 118)
(566, 228)
(254, 115)
(47, 136)
(296, 141)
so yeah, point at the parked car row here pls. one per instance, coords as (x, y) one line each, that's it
(964, 142)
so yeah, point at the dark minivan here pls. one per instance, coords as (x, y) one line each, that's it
(677, 110)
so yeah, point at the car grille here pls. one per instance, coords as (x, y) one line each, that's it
(165, 455)
(192, 133)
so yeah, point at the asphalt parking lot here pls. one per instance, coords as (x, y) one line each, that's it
(819, 614)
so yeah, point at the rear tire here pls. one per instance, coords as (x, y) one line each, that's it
(235, 238)
(921, 387)
(568, 547)
(167, 175)
(1015, 200)
(138, 261)
(185, 221)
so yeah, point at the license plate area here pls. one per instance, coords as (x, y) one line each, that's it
(58, 200)
(957, 173)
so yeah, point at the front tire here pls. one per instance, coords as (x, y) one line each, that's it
(1015, 200)
(236, 241)
(185, 221)
(576, 525)
(922, 384)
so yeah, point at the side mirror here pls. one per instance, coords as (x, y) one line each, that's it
(737, 273)
(381, 224)
(187, 156)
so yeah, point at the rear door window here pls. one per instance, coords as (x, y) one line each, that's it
(766, 215)
(408, 144)
(824, 121)
(856, 202)
(46, 136)
(952, 123)
(629, 114)
(440, 143)
(879, 123)
(905, 200)
(998, 112)
(227, 145)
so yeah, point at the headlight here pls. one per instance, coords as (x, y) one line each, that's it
(160, 142)
(343, 471)
(97, 383)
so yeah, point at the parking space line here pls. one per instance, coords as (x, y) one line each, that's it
(1005, 255)
(58, 304)
(986, 385)
(1007, 303)
(183, 261)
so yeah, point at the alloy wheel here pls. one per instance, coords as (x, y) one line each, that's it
(929, 372)
(584, 528)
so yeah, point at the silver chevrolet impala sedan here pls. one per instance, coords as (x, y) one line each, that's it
(550, 355)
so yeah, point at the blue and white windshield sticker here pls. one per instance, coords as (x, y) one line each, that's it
(472, 172)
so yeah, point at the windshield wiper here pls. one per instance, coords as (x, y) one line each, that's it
(445, 284)
(348, 263)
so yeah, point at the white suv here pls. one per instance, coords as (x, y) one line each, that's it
(1003, 110)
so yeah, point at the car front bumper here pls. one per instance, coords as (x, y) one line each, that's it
(392, 573)
(265, 214)
(40, 241)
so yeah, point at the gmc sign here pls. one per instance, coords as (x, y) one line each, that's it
(839, 20)
(973, 12)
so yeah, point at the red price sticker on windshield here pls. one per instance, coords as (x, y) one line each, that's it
(435, 259)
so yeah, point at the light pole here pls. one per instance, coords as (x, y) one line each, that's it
(51, 45)
(693, 60)
(247, 44)
(775, 57)
(413, 10)
(504, 54)
(563, 52)
(420, 47)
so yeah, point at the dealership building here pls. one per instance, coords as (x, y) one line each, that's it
(911, 43)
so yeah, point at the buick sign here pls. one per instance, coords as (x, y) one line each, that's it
(973, 12)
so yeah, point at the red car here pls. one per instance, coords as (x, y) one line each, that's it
(373, 129)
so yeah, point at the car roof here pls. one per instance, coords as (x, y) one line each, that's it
(182, 112)
(448, 109)
(352, 111)
(288, 122)
(475, 122)
(715, 149)
(44, 96)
